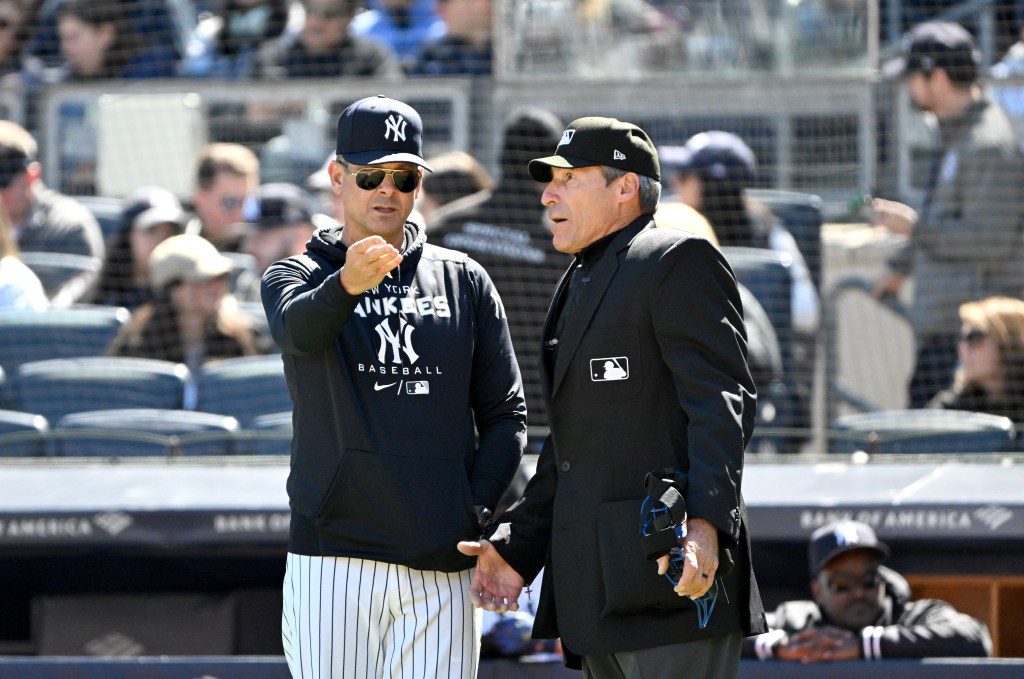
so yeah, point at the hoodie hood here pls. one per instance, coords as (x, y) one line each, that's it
(327, 243)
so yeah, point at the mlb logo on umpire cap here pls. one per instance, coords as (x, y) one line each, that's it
(378, 130)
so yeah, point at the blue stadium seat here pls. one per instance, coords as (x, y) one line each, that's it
(801, 214)
(135, 432)
(63, 386)
(107, 212)
(57, 333)
(923, 431)
(21, 434)
(278, 425)
(766, 274)
(774, 407)
(243, 387)
(54, 269)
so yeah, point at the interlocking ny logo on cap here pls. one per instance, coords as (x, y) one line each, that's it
(395, 123)
(567, 137)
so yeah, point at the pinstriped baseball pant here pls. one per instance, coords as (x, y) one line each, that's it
(349, 618)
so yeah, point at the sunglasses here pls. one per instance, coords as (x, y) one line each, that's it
(368, 179)
(973, 337)
(6, 24)
(869, 583)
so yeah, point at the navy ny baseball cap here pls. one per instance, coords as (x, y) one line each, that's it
(601, 141)
(840, 537)
(378, 130)
(937, 44)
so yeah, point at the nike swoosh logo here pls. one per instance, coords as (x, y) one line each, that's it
(378, 387)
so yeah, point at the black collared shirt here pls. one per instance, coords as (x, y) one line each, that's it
(583, 265)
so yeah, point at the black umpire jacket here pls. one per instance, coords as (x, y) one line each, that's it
(650, 372)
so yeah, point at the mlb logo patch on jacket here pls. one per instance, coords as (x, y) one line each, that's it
(611, 369)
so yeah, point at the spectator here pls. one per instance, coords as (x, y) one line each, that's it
(192, 318)
(403, 25)
(13, 30)
(45, 220)
(861, 610)
(1011, 67)
(507, 233)
(151, 216)
(226, 175)
(991, 350)
(20, 289)
(465, 48)
(319, 183)
(326, 48)
(233, 44)
(456, 175)
(97, 41)
(281, 222)
(710, 174)
(965, 243)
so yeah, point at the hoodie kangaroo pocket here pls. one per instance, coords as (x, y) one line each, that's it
(403, 509)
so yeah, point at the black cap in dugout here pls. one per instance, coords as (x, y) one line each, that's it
(378, 130)
(601, 141)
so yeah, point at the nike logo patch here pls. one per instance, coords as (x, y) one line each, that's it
(378, 387)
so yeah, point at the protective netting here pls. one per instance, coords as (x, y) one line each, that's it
(133, 122)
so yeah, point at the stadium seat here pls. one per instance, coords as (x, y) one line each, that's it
(54, 269)
(801, 214)
(21, 434)
(243, 388)
(922, 431)
(63, 386)
(134, 432)
(57, 333)
(774, 410)
(766, 274)
(107, 212)
(278, 425)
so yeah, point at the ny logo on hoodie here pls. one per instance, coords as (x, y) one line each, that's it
(398, 341)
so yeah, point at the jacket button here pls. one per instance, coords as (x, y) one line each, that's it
(566, 466)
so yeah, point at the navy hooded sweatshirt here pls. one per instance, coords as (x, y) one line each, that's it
(387, 386)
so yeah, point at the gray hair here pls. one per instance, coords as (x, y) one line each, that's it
(650, 189)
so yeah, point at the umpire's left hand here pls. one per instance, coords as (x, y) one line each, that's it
(700, 548)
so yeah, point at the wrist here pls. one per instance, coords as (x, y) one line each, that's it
(346, 286)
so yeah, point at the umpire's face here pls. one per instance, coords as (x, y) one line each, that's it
(380, 210)
(582, 206)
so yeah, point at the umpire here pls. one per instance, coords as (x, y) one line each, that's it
(645, 369)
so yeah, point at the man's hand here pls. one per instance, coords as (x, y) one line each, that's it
(367, 262)
(496, 585)
(833, 643)
(896, 217)
(890, 286)
(797, 647)
(700, 550)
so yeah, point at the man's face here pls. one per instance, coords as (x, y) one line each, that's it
(378, 211)
(921, 89)
(220, 206)
(849, 589)
(326, 25)
(271, 245)
(17, 197)
(464, 18)
(202, 298)
(581, 207)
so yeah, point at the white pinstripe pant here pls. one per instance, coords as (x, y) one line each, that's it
(358, 619)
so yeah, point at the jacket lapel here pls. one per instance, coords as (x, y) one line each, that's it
(594, 291)
(546, 352)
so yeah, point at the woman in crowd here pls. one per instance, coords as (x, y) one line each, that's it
(97, 42)
(192, 318)
(20, 289)
(13, 31)
(151, 216)
(990, 378)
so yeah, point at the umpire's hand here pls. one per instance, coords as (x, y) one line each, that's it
(367, 262)
(495, 585)
(701, 553)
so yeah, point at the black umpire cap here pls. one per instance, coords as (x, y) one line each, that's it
(601, 141)
(378, 130)
(934, 45)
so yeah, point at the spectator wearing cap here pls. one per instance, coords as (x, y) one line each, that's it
(403, 25)
(646, 326)
(327, 48)
(233, 43)
(280, 222)
(45, 220)
(226, 174)
(150, 216)
(710, 173)
(319, 184)
(965, 241)
(457, 175)
(191, 317)
(861, 610)
(465, 48)
(506, 232)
